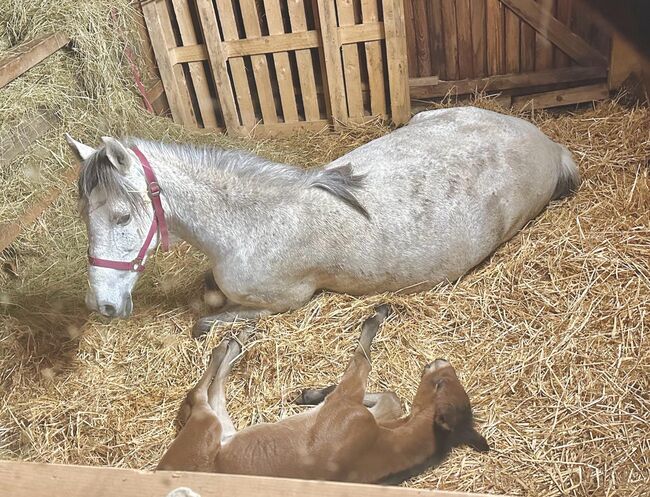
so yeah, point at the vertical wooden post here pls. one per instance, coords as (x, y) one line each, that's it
(464, 26)
(351, 62)
(374, 59)
(437, 45)
(332, 55)
(217, 58)
(450, 34)
(398, 79)
(171, 74)
(495, 37)
(479, 35)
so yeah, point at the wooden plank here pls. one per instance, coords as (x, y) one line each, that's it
(513, 41)
(374, 60)
(479, 37)
(511, 81)
(495, 37)
(197, 72)
(22, 479)
(400, 101)
(564, 8)
(558, 34)
(411, 43)
(424, 81)
(219, 66)
(304, 62)
(188, 53)
(23, 135)
(242, 89)
(288, 129)
(361, 33)
(558, 98)
(450, 37)
(332, 58)
(437, 45)
(175, 88)
(260, 64)
(282, 66)
(27, 55)
(464, 27)
(423, 47)
(351, 68)
(543, 47)
(271, 44)
(527, 53)
(322, 85)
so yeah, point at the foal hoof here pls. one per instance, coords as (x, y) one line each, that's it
(202, 327)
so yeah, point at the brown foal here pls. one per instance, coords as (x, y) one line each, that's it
(350, 435)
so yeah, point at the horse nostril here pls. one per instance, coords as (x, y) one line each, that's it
(108, 310)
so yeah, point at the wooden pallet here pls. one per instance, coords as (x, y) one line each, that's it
(276, 66)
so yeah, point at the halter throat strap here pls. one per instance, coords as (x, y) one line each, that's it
(158, 224)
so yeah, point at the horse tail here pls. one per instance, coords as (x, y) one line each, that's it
(339, 181)
(568, 179)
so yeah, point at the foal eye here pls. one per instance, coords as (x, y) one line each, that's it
(124, 220)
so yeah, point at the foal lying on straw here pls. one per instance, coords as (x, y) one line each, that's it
(350, 435)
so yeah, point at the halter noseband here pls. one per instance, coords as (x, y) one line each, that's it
(157, 224)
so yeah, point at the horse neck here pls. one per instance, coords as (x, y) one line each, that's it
(209, 201)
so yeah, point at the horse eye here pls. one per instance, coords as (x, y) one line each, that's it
(124, 220)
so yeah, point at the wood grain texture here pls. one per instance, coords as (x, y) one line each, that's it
(27, 55)
(351, 68)
(464, 27)
(495, 19)
(450, 37)
(375, 61)
(400, 101)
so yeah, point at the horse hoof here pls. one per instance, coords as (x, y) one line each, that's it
(202, 327)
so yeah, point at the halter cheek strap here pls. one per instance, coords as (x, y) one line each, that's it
(158, 224)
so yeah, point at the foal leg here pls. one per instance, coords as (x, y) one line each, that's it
(230, 314)
(384, 406)
(217, 390)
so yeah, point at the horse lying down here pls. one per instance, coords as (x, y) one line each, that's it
(349, 436)
(421, 205)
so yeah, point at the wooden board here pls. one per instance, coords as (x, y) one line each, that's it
(400, 100)
(351, 69)
(22, 479)
(464, 27)
(450, 37)
(495, 37)
(375, 61)
(558, 98)
(27, 55)
(479, 36)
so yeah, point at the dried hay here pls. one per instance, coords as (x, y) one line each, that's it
(549, 335)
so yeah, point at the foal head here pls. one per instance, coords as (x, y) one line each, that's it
(112, 193)
(453, 420)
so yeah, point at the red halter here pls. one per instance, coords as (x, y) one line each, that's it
(157, 224)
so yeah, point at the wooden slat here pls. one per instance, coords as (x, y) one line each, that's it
(242, 89)
(411, 44)
(513, 41)
(362, 33)
(189, 53)
(22, 136)
(282, 66)
(495, 37)
(351, 69)
(479, 35)
(578, 49)
(527, 53)
(450, 38)
(322, 85)
(197, 72)
(21, 479)
(397, 67)
(564, 8)
(543, 47)
(332, 58)
(260, 64)
(27, 55)
(464, 26)
(510, 81)
(271, 44)
(219, 66)
(282, 129)
(424, 81)
(558, 98)
(176, 91)
(374, 60)
(304, 62)
(423, 46)
(437, 45)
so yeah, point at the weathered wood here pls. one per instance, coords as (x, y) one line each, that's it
(361, 33)
(271, 44)
(374, 60)
(437, 45)
(558, 34)
(280, 129)
(23, 135)
(304, 62)
(21, 479)
(332, 57)
(397, 67)
(351, 69)
(422, 39)
(543, 47)
(188, 53)
(513, 42)
(510, 81)
(197, 72)
(27, 55)
(464, 26)
(479, 35)
(558, 98)
(450, 37)
(495, 37)
(564, 8)
(217, 57)
(424, 81)
(411, 43)
(527, 53)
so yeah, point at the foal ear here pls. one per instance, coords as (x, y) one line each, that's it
(117, 154)
(80, 150)
(475, 440)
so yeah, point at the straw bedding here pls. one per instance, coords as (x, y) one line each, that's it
(549, 336)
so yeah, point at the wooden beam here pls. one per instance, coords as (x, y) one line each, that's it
(27, 55)
(558, 98)
(398, 82)
(22, 136)
(556, 32)
(424, 81)
(358, 33)
(510, 81)
(21, 479)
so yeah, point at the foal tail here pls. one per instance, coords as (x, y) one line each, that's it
(568, 179)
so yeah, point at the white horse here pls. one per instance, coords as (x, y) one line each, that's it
(423, 204)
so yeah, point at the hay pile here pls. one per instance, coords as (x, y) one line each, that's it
(550, 336)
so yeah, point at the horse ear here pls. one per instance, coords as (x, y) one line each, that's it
(117, 154)
(80, 150)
